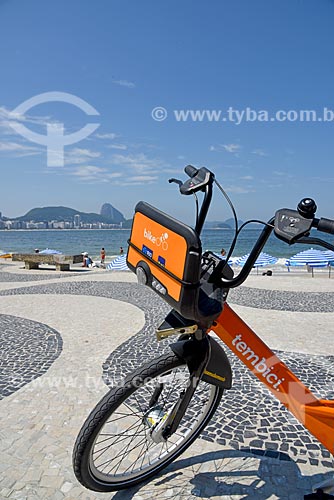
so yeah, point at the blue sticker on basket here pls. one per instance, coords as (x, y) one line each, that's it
(161, 261)
(147, 251)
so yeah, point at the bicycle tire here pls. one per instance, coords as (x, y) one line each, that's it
(132, 396)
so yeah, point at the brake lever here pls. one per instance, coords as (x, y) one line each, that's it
(177, 181)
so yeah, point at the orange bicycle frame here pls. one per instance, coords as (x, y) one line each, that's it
(317, 415)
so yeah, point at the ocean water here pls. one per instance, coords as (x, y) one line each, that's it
(76, 241)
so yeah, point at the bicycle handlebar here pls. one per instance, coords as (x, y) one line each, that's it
(191, 171)
(324, 225)
(289, 225)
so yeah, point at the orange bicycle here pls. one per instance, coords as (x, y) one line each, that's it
(143, 424)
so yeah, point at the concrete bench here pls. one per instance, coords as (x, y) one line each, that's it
(33, 260)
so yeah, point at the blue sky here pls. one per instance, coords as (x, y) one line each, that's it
(126, 58)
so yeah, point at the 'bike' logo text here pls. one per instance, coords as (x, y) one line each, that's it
(157, 240)
(259, 365)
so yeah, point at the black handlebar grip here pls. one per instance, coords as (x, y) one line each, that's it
(326, 225)
(191, 171)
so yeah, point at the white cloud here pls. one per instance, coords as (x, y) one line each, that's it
(247, 178)
(239, 190)
(131, 183)
(230, 148)
(89, 173)
(114, 175)
(177, 171)
(124, 83)
(278, 172)
(259, 152)
(18, 150)
(110, 135)
(139, 163)
(8, 120)
(144, 178)
(117, 146)
(78, 155)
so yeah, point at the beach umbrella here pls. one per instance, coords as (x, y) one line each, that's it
(118, 264)
(329, 254)
(264, 259)
(49, 251)
(310, 257)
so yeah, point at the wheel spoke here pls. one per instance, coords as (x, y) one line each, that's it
(109, 446)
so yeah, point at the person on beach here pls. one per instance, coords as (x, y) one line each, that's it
(86, 261)
(223, 252)
(103, 256)
(121, 251)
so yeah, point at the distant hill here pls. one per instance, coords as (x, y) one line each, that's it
(230, 222)
(67, 214)
(227, 224)
(110, 212)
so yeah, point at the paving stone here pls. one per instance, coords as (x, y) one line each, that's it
(6, 492)
(66, 487)
(51, 482)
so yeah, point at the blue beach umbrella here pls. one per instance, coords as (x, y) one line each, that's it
(264, 259)
(329, 254)
(50, 251)
(118, 264)
(310, 257)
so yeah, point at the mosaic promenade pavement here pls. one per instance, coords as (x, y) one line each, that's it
(62, 343)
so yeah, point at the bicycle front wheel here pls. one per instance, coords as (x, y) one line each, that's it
(115, 450)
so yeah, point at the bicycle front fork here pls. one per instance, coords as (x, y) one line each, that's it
(196, 352)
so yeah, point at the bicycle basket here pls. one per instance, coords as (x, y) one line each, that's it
(166, 255)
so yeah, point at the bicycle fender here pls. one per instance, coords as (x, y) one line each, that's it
(218, 370)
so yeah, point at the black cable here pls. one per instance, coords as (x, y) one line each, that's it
(230, 203)
(254, 221)
(196, 201)
(234, 241)
(237, 229)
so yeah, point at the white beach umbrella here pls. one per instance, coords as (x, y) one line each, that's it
(118, 264)
(310, 257)
(50, 251)
(264, 259)
(329, 254)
